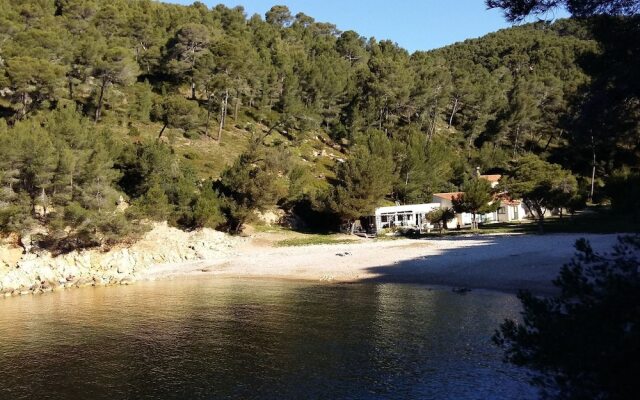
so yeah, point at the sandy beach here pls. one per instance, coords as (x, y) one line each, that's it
(497, 262)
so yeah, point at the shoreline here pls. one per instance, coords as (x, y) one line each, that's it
(506, 263)
(315, 283)
(499, 262)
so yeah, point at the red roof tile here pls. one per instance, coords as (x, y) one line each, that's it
(506, 200)
(447, 196)
(491, 178)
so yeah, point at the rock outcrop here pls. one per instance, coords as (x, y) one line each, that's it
(39, 271)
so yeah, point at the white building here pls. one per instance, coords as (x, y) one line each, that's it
(509, 211)
(407, 216)
(413, 216)
(445, 200)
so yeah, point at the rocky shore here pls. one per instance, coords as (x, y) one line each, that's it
(39, 271)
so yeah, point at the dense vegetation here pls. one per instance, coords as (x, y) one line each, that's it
(201, 116)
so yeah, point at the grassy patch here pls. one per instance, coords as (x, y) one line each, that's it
(314, 240)
(592, 220)
(264, 228)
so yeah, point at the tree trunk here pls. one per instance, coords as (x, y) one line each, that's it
(103, 89)
(235, 111)
(206, 125)
(223, 113)
(23, 111)
(540, 213)
(221, 124)
(70, 89)
(193, 89)
(541, 223)
(453, 112)
(515, 144)
(551, 137)
(432, 128)
(593, 179)
(593, 170)
(43, 200)
(162, 131)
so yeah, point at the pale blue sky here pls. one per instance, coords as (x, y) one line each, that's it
(413, 24)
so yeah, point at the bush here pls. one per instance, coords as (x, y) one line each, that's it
(441, 216)
(14, 217)
(207, 211)
(154, 204)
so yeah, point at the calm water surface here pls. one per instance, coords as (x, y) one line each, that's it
(210, 339)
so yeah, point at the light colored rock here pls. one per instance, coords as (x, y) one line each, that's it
(26, 272)
(127, 281)
(27, 238)
(122, 205)
(270, 217)
(83, 282)
(9, 255)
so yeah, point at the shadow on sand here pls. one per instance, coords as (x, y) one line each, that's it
(494, 262)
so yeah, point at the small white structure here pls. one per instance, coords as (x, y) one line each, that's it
(509, 211)
(406, 216)
(445, 200)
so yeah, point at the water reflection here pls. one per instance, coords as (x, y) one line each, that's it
(256, 339)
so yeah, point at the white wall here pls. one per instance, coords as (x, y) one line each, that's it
(412, 215)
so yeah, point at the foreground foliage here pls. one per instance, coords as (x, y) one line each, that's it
(583, 343)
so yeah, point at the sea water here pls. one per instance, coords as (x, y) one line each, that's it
(257, 339)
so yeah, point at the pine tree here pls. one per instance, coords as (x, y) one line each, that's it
(362, 180)
(250, 184)
(33, 81)
(113, 66)
(475, 199)
(190, 43)
(179, 113)
(541, 185)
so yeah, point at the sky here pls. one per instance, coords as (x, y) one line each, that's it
(413, 24)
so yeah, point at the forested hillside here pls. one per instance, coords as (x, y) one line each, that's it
(120, 111)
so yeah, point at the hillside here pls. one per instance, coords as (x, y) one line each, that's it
(115, 113)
